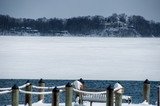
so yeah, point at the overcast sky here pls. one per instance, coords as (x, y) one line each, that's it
(150, 9)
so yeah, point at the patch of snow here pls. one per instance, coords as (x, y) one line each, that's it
(40, 103)
(117, 87)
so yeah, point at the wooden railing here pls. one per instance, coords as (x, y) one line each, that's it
(109, 96)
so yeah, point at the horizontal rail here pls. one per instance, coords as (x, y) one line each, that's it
(5, 92)
(9, 88)
(36, 93)
(39, 87)
(87, 92)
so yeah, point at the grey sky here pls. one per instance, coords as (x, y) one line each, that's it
(150, 9)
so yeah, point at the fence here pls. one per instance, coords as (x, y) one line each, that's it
(109, 96)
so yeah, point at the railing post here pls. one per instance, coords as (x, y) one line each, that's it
(41, 84)
(118, 91)
(55, 97)
(69, 94)
(110, 96)
(118, 97)
(80, 99)
(15, 95)
(91, 103)
(158, 104)
(28, 97)
(81, 88)
(146, 90)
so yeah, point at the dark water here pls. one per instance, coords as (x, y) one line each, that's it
(132, 88)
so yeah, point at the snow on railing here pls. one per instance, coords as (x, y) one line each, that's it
(87, 92)
(5, 92)
(4, 89)
(39, 87)
(23, 86)
(9, 89)
(35, 93)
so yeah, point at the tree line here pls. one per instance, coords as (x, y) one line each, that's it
(81, 26)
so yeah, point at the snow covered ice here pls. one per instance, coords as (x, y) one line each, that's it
(79, 57)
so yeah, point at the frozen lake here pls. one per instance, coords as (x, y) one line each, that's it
(75, 57)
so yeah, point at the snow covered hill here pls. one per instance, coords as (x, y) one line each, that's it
(116, 25)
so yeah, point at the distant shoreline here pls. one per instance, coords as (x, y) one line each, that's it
(29, 35)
